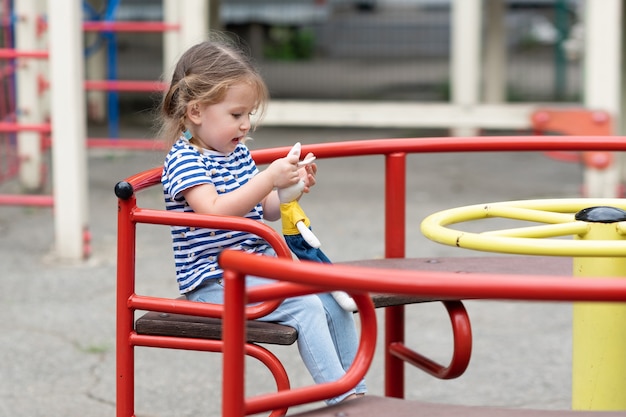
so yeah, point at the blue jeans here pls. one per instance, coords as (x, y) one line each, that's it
(327, 337)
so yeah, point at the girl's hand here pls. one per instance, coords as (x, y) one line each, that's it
(307, 173)
(284, 171)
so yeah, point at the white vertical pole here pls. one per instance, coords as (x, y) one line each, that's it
(171, 49)
(466, 29)
(28, 110)
(603, 55)
(495, 52)
(602, 82)
(68, 127)
(193, 18)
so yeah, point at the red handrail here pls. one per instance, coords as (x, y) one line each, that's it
(394, 151)
(129, 215)
(234, 403)
(429, 284)
(449, 144)
(318, 277)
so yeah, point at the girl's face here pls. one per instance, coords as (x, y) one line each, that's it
(221, 126)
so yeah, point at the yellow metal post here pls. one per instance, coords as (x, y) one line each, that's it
(599, 329)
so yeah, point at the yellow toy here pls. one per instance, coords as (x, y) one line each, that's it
(296, 228)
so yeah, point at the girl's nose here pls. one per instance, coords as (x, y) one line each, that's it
(245, 123)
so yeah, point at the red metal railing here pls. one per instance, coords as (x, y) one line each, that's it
(394, 151)
(9, 160)
(320, 277)
(128, 301)
(8, 54)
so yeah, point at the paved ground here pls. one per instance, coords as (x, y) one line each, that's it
(58, 321)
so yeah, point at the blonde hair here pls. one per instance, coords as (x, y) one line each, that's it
(203, 74)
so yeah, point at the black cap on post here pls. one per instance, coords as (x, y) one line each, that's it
(124, 190)
(601, 214)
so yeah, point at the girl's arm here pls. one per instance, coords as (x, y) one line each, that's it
(204, 198)
(271, 207)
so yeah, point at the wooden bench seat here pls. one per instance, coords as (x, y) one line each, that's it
(375, 406)
(179, 325)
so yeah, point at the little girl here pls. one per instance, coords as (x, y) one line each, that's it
(205, 120)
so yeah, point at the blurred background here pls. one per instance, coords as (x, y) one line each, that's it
(408, 68)
(338, 54)
(371, 49)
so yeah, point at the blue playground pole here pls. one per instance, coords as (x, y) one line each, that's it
(112, 96)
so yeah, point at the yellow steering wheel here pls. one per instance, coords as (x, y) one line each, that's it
(598, 227)
(559, 217)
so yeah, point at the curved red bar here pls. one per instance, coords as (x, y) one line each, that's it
(267, 358)
(462, 331)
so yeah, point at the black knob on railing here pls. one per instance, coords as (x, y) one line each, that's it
(124, 190)
(601, 214)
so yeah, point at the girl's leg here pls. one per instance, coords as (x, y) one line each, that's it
(343, 332)
(315, 342)
(326, 353)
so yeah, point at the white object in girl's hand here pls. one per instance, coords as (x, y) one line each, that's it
(296, 150)
(306, 161)
(293, 192)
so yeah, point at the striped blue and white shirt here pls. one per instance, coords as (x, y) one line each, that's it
(196, 249)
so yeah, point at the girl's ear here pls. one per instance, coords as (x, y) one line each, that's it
(193, 113)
